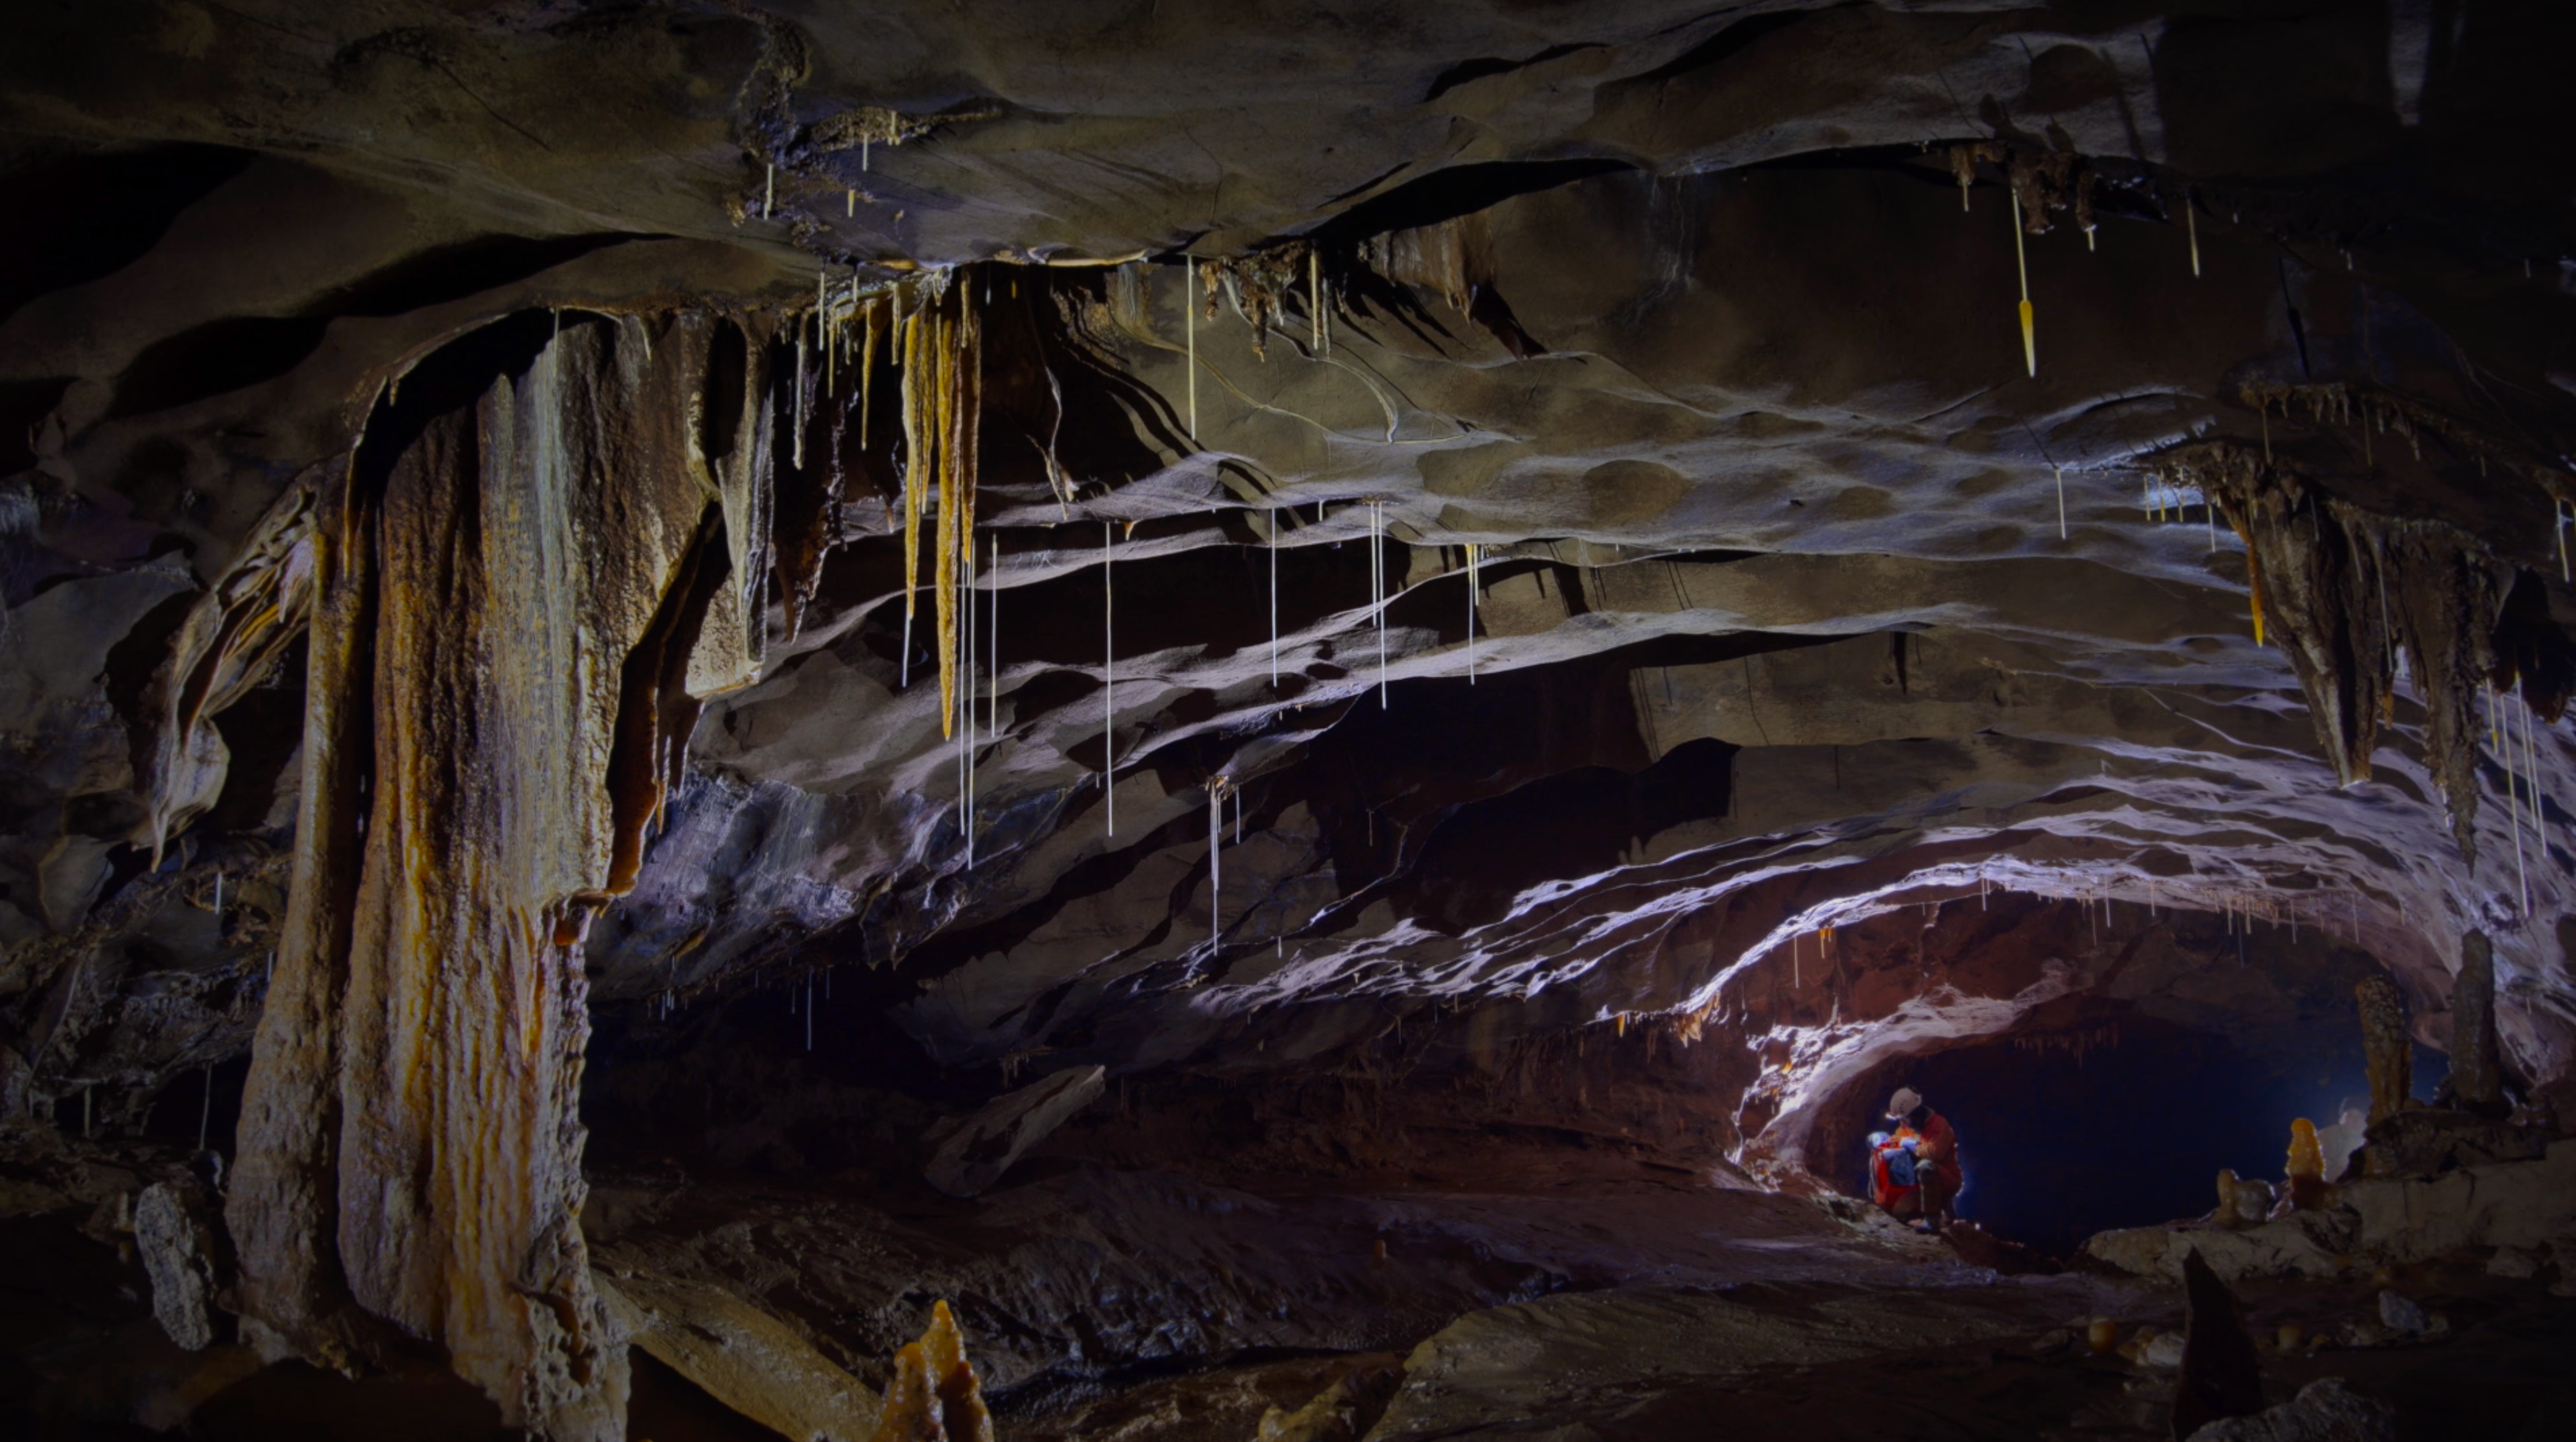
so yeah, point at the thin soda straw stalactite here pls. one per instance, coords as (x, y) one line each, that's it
(803, 349)
(2531, 778)
(1377, 589)
(916, 474)
(1108, 686)
(2061, 501)
(2191, 227)
(1274, 594)
(1471, 613)
(1190, 327)
(951, 507)
(868, 367)
(1216, 838)
(966, 699)
(2500, 731)
(2021, 265)
(993, 654)
(1315, 296)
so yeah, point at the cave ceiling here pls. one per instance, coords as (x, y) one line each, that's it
(1666, 547)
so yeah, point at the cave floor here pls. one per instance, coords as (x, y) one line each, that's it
(1577, 1301)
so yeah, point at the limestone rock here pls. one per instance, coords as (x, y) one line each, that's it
(2399, 1313)
(2500, 1204)
(2300, 1244)
(2326, 1411)
(974, 1156)
(2427, 1141)
(176, 1251)
(1342, 1412)
(740, 1355)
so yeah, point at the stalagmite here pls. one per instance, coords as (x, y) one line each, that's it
(2305, 1171)
(2029, 331)
(934, 1395)
(2476, 1081)
(2388, 1052)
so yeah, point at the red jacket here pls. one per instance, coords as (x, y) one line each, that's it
(1940, 1151)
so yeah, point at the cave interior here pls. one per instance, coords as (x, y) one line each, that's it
(1091, 722)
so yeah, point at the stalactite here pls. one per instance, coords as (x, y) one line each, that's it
(1190, 329)
(1108, 686)
(993, 652)
(1315, 297)
(2512, 800)
(2021, 266)
(1216, 869)
(2061, 501)
(2323, 571)
(1471, 613)
(2191, 228)
(1274, 598)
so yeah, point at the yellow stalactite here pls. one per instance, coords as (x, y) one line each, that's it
(2253, 575)
(942, 363)
(915, 470)
(868, 366)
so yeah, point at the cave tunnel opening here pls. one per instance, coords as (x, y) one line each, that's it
(2116, 1105)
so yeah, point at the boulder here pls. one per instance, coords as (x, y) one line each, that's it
(2502, 1204)
(177, 1251)
(2301, 1244)
(2325, 1411)
(975, 1155)
(2428, 1141)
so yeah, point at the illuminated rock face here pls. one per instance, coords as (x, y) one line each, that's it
(497, 543)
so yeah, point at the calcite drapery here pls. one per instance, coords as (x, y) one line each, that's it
(503, 586)
(2345, 590)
